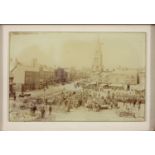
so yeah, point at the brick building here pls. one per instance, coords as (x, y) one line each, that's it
(37, 79)
(60, 75)
(30, 77)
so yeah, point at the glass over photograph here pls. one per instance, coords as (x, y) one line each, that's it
(77, 76)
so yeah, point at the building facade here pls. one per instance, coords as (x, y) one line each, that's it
(60, 75)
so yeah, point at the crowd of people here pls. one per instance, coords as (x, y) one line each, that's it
(94, 100)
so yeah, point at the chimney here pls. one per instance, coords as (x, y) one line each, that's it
(34, 62)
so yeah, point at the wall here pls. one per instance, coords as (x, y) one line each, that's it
(1, 71)
(152, 79)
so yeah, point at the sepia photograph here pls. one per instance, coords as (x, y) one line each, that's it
(77, 76)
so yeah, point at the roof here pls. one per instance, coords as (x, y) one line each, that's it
(125, 72)
(116, 85)
(138, 87)
(19, 72)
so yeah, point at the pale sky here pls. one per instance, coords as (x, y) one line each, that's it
(77, 49)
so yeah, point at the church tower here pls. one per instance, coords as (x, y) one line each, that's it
(97, 62)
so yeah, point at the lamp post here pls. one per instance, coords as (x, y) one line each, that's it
(44, 95)
(43, 85)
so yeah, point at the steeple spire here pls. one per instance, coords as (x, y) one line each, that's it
(98, 64)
